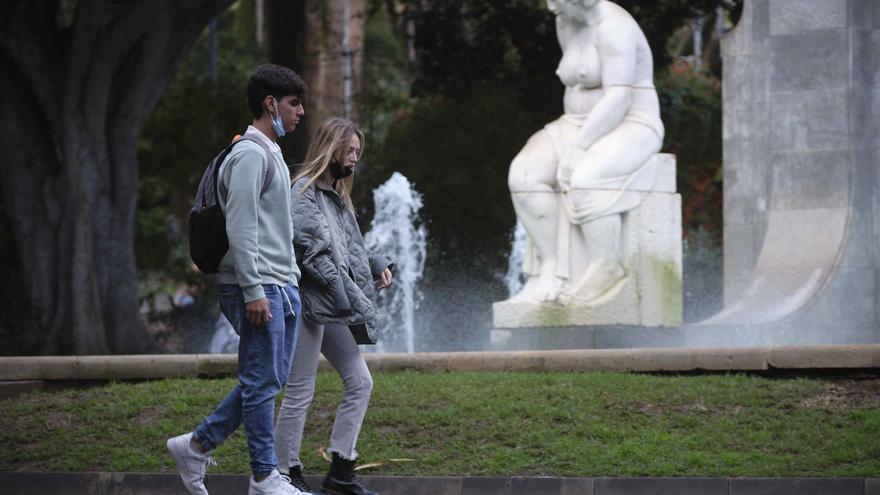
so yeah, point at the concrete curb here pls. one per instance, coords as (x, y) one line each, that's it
(21, 483)
(861, 356)
(116, 367)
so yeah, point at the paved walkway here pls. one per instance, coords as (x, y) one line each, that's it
(151, 484)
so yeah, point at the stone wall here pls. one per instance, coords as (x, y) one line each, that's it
(801, 167)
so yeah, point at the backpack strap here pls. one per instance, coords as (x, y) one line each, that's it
(218, 161)
(270, 171)
(214, 170)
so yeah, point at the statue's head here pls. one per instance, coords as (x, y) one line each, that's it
(570, 8)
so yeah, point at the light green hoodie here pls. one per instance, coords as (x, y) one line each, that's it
(259, 227)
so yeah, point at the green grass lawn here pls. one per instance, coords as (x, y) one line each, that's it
(558, 424)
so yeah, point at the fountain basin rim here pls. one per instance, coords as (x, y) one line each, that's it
(133, 367)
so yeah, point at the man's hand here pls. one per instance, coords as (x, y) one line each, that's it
(257, 312)
(386, 279)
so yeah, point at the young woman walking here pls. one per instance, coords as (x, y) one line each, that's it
(338, 288)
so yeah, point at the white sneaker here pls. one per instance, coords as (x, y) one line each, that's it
(190, 464)
(274, 484)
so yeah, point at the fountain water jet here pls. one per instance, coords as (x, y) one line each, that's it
(513, 279)
(397, 232)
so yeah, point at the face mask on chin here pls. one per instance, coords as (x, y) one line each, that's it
(338, 171)
(277, 124)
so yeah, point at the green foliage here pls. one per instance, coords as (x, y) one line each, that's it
(193, 121)
(658, 20)
(690, 105)
(482, 87)
(457, 153)
(386, 82)
(485, 81)
(460, 43)
(486, 424)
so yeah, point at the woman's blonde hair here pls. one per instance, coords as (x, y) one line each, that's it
(329, 143)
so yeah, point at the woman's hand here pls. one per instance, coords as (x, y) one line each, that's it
(386, 279)
(572, 160)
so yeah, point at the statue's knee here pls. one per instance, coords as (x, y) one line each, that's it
(517, 178)
(583, 179)
(529, 175)
(587, 203)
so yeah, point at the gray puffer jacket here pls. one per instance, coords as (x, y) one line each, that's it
(339, 275)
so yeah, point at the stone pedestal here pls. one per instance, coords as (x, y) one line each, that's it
(650, 294)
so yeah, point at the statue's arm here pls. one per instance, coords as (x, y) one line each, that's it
(617, 55)
(564, 31)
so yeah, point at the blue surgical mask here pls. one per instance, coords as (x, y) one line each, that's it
(277, 124)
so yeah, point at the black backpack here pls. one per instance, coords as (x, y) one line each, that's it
(207, 224)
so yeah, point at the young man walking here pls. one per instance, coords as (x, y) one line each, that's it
(258, 279)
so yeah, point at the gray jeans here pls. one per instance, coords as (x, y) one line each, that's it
(336, 343)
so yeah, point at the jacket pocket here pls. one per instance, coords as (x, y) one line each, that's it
(322, 304)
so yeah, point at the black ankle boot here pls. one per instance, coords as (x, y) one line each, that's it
(341, 479)
(297, 479)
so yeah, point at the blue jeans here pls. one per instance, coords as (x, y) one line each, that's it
(264, 359)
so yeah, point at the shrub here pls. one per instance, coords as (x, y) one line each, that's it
(690, 105)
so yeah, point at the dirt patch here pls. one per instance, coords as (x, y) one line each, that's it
(395, 430)
(844, 395)
(149, 415)
(58, 421)
(695, 407)
(836, 395)
(648, 408)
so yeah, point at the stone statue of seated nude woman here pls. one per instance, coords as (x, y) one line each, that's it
(575, 176)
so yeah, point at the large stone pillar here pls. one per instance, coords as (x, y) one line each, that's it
(801, 140)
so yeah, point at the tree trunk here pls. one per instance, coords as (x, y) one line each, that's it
(285, 21)
(324, 60)
(74, 100)
(307, 37)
